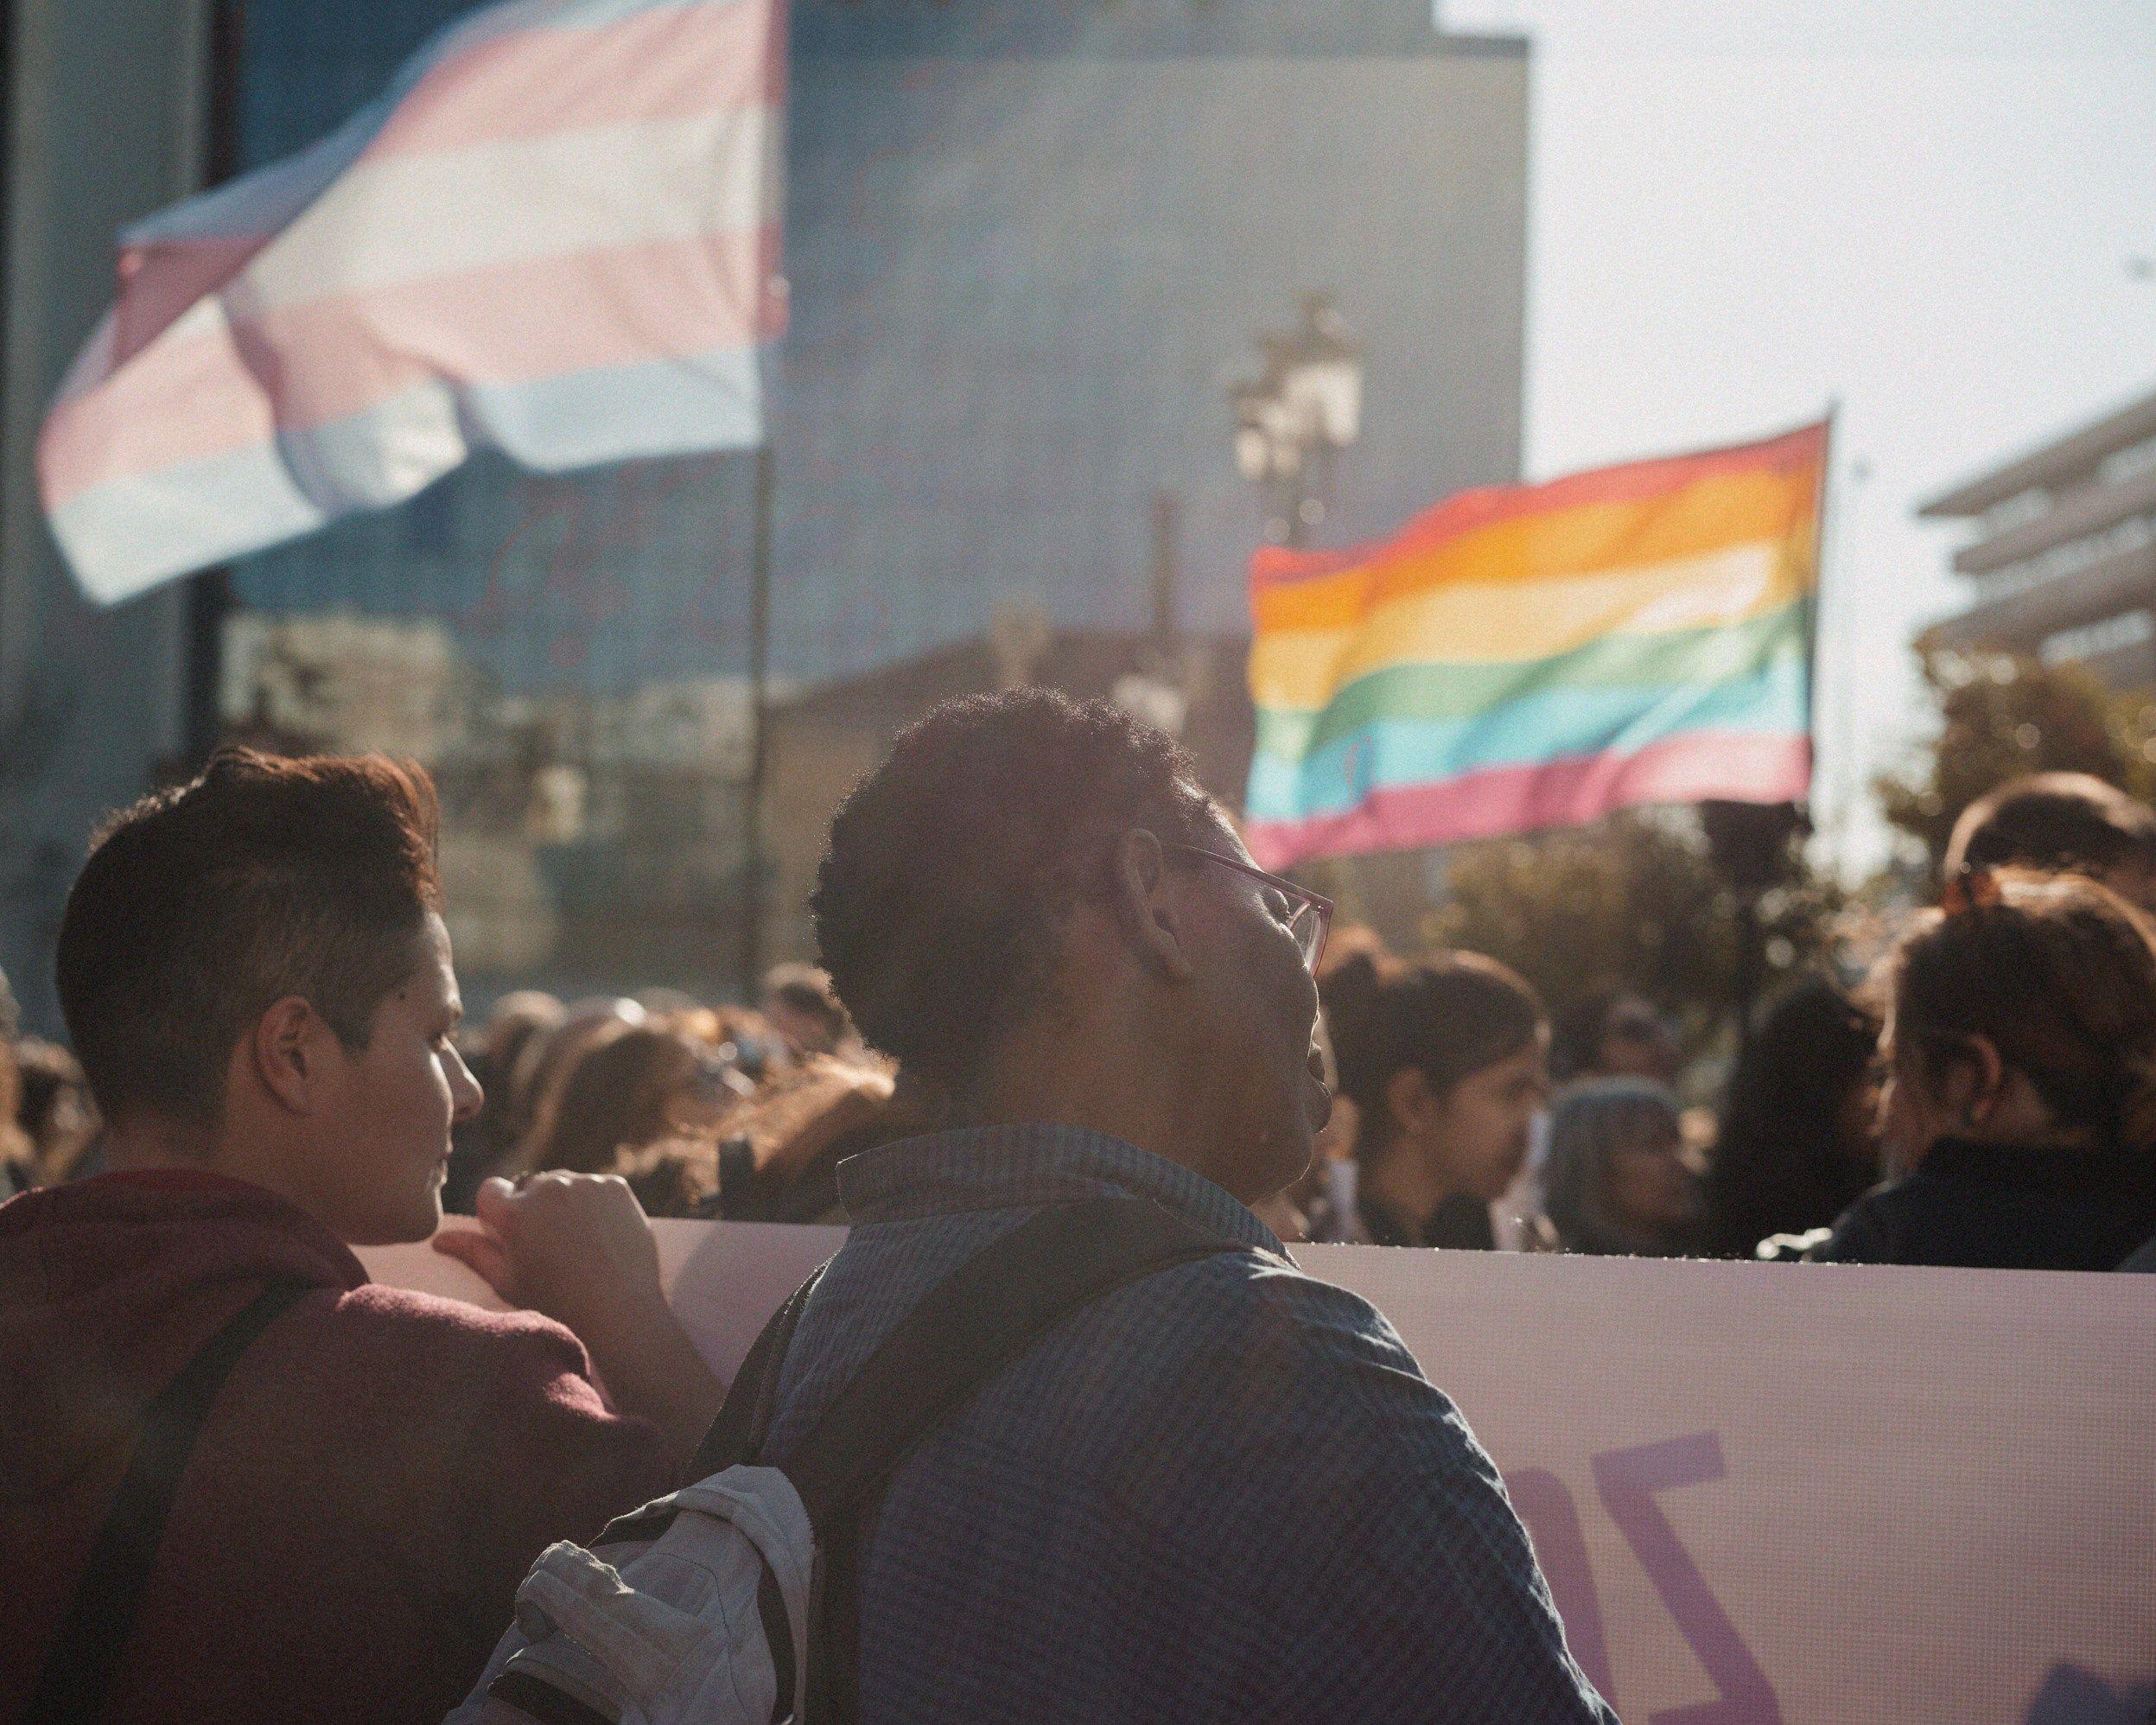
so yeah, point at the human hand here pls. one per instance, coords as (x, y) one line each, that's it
(575, 1247)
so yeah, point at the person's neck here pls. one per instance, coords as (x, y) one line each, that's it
(137, 1143)
(1403, 1181)
(141, 1143)
(1050, 1081)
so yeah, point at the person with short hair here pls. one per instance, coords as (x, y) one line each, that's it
(2020, 1114)
(1615, 1182)
(256, 977)
(1222, 1491)
(2058, 822)
(1445, 1062)
(1613, 1033)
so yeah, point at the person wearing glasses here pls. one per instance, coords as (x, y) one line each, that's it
(1224, 1490)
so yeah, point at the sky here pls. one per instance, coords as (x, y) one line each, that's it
(1924, 212)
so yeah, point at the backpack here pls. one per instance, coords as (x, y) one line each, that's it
(731, 1601)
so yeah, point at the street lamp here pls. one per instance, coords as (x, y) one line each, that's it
(1294, 418)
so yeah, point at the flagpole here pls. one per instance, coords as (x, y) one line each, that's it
(1749, 842)
(209, 600)
(1826, 523)
(752, 955)
(1822, 522)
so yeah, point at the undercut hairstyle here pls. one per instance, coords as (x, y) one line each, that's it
(952, 869)
(1449, 1017)
(2058, 821)
(201, 907)
(2059, 973)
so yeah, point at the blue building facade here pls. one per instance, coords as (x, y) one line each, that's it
(1030, 245)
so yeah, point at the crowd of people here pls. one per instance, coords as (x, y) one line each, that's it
(1194, 1498)
(1466, 1114)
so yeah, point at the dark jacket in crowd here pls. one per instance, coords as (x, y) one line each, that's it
(1223, 1492)
(2004, 1206)
(379, 1471)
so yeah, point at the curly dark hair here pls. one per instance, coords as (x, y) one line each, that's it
(951, 867)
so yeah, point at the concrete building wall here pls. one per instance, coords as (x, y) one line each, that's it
(106, 116)
(2062, 559)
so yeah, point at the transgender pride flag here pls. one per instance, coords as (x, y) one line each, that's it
(556, 235)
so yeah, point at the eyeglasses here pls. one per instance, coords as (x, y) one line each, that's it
(1308, 915)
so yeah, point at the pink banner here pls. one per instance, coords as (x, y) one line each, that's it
(1762, 1495)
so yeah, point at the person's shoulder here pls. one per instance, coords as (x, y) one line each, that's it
(1873, 1230)
(487, 1345)
(1264, 1297)
(1297, 1366)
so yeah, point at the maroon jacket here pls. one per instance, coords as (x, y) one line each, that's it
(377, 1474)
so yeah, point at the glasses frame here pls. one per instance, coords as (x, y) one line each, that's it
(1315, 906)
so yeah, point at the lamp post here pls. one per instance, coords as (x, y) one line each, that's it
(1293, 419)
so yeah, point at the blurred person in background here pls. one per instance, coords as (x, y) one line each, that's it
(55, 1110)
(784, 1150)
(631, 1086)
(483, 1143)
(1798, 1139)
(667, 1003)
(1616, 1182)
(2020, 1114)
(517, 1018)
(257, 978)
(2060, 822)
(808, 1016)
(1445, 1062)
(1613, 1035)
(547, 1057)
(18, 1167)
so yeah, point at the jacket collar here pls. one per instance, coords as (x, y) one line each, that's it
(1003, 1167)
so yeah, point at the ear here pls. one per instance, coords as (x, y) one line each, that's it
(1410, 1099)
(1982, 1078)
(285, 1053)
(1146, 911)
(1987, 1074)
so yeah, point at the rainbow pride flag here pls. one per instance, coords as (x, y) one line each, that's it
(1539, 655)
(555, 235)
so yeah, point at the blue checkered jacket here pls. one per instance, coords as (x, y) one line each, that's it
(1224, 1493)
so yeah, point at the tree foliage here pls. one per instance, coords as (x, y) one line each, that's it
(2002, 716)
(1634, 902)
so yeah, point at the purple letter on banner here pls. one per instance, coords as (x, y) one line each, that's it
(1627, 1480)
